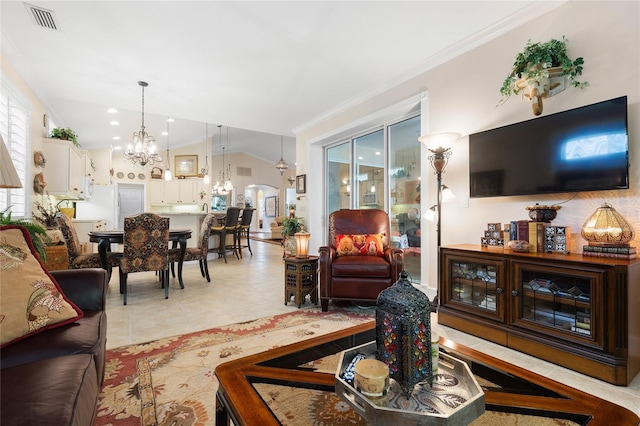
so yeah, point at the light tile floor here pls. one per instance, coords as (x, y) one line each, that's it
(253, 287)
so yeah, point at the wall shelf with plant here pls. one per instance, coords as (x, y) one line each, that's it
(539, 72)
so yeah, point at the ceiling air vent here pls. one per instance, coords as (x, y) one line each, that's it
(41, 17)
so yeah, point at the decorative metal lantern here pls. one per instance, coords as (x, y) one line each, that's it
(302, 243)
(403, 333)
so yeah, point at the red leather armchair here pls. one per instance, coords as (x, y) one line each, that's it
(359, 278)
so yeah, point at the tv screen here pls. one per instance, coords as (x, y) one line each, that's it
(583, 149)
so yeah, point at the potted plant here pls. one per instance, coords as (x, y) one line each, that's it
(65, 134)
(535, 65)
(47, 217)
(289, 227)
(38, 234)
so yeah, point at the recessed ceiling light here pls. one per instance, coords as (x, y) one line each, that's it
(117, 147)
(170, 120)
(112, 110)
(360, 157)
(114, 123)
(116, 138)
(165, 133)
(377, 152)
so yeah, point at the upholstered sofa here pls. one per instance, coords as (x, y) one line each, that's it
(276, 227)
(54, 377)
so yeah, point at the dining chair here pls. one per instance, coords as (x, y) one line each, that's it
(198, 253)
(146, 248)
(77, 259)
(227, 228)
(243, 230)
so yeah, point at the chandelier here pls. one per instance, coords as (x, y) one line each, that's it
(223, 185)
(281, 165)
(143, 149)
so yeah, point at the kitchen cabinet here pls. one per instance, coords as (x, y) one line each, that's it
(577, 312)
(178, 191)
(66, 164)
(83, 227)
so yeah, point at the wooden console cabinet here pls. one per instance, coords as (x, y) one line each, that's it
(579, 312)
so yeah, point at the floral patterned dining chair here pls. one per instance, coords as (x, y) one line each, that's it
(77, 259)
(198, 253)
(146, 248)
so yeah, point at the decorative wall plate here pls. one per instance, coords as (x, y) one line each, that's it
(140, 175)
(38, 159)
(240, 197)
(131, 175)
(120, 175)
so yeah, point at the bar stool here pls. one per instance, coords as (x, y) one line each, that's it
(243, 230)
(229, 227)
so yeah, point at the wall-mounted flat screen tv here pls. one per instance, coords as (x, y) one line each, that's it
(583, 149)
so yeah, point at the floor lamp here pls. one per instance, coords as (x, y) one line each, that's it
(440, 146)
(8, 176)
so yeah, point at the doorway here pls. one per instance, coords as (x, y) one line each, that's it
(130, 201)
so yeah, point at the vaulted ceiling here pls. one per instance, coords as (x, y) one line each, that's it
(264, 68)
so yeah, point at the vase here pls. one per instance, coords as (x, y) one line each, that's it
(289, 246)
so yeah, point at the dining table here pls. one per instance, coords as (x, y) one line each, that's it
(178, 238)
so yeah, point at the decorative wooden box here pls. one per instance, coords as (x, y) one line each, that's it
(57, 257)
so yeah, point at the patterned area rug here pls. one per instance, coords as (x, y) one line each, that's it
(172, 382)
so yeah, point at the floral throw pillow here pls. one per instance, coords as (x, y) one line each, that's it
(359, 245)
(31, 299)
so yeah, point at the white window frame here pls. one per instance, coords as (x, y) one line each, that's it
(15, 127)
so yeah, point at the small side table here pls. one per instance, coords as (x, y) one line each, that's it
(300, 279)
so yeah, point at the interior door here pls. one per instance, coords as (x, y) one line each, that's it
(130, 201)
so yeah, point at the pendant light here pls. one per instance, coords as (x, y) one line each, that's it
(281, 165)
(205, 171)
(143, 149)
(228, 185)
(167, 171)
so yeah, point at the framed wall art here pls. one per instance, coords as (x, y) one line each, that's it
(301, 184)
(186, 165)
(270, 206)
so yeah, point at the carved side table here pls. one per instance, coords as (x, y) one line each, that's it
(300, 279)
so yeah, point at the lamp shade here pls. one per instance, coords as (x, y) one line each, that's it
(8, 176)
(439, 141)
(606, 227)
(302, 243)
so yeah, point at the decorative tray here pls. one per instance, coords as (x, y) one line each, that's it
(456, 397)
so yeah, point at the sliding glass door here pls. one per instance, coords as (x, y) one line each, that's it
(369, 161)
(338, 177)
(381, 169)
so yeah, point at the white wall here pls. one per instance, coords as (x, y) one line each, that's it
(461, 95)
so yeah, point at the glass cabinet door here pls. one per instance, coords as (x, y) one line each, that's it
(475, 284)
(557, 300)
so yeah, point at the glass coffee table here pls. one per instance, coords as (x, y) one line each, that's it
(509, 390)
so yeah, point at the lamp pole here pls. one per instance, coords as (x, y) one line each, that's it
(440, 145)
(439, 161)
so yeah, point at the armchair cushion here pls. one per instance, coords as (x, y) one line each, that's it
(32, 300)
(359, 244)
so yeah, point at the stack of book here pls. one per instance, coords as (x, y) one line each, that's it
(617, 251)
